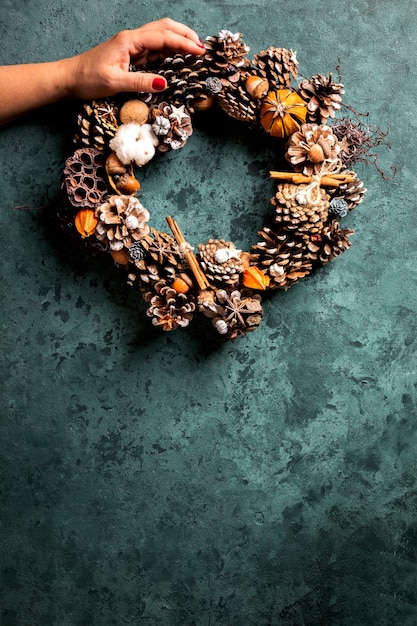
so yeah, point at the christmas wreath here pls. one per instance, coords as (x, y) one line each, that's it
(115, 136)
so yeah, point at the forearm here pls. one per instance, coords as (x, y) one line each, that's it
(29, 86)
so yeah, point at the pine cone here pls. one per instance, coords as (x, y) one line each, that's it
(353, 193)
(85, 178)
(323, 96)
(150, 273)
(277, 65)
(238, 104)
(302, 208)
(97, 124)
(233, 313)
(310, 147)
(226, 59)
(167, 308)
(156, 257)
(172, 125)
(186, 77)
(224, 50)
(122, 221)
(285, 258)
(221, 262)
(330, 243)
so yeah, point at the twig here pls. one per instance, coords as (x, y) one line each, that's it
(27, 207)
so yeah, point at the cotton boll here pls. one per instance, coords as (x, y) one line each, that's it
(124, 142)
(134, 142)
(145, 151)
(147, 133)
(145, 147)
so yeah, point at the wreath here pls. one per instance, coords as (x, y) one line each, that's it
(115, 136)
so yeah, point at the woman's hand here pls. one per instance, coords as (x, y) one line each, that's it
(97, 73)
(104, 70)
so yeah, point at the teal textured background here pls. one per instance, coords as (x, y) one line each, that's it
(161, 479)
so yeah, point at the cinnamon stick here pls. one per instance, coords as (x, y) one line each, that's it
(328, 180)
(189, 255)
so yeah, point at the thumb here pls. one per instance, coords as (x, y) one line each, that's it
(144, 82)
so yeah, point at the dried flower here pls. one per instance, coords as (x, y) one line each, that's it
(338, 207)
(214, 84)
(358, 140)
(310, 147)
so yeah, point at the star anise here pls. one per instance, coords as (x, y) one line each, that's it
(162, 247)
(239, 311)
(238, 307)
(106, 111)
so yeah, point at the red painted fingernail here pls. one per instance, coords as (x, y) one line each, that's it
(159, 83)
(201, 43)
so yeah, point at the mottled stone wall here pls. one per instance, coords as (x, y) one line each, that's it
(169, 480)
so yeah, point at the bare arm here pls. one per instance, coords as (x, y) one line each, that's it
(27, 87)
(96, 73)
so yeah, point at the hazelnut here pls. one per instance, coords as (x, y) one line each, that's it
(257, 87)
(316, 154)
(204, 103)
(134, 111)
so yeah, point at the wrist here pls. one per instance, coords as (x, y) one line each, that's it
(65, 78)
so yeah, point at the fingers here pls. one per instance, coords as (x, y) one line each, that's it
(140, 46)
(165, 34)
(167, 24)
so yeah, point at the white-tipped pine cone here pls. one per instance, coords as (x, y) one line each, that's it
(186, 77)
(225, 49)
(310, 147)
(221, 262)
(167, 308)
(302, 208)
(284, 257)
(353, 193)
(122, 222)
(97, 123)
(172, 125)
(332, 242)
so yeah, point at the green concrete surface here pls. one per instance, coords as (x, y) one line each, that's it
(167, 479)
